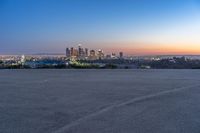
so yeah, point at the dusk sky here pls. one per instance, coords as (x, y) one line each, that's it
(137, 27)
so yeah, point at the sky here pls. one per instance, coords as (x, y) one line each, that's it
(136, 27)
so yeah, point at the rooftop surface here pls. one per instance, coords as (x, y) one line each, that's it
(99, 101)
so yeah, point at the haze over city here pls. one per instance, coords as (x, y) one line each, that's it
(136, 27)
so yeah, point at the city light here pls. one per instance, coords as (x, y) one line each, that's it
(81, 53)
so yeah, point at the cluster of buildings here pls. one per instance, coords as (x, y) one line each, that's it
(86, 54)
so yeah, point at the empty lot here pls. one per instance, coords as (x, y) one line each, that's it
(99, 101)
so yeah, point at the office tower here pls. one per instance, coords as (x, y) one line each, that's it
(67, 52)
(75, 52)
(100, 54)
(121, 55)
(79, 50)
(81, 53)
(86, 52)
(113, 55)
(71, 51)
(92, 55)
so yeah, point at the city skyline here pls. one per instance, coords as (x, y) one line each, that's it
(82, 53)
(139, 27)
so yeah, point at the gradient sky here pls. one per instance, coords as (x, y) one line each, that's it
(137, 27)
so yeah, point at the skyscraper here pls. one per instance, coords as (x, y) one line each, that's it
(73, 53)
(86, 52)
(81, 53)
(67, 52)
(79, 50)
(113, 56)
(121, 55)
(100, 54)
(92, 55)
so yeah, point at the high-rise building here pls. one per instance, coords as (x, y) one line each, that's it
(81, 53)
(92, 55)
(73, 53)
(121, 55)
(79, 50)
(113, 56)
(86, 52)
(100, 54)
(68, 53)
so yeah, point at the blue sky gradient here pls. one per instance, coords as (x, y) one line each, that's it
(34, 26)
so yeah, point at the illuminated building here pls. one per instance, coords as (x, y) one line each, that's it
(23, 59)
(92, 55)
(80, 52)
(86, 52)
(113, 56)
(73, 53)
(100, 54)
(68, 53)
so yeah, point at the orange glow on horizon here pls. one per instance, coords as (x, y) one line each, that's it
(156, 49)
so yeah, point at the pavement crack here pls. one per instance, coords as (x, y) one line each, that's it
(131, 101)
